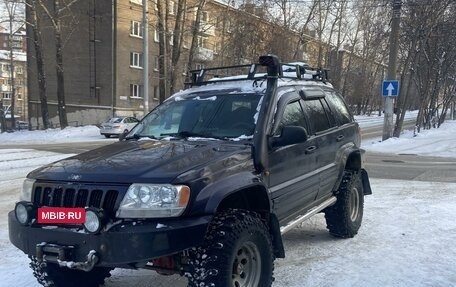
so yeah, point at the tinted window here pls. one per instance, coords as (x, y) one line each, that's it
(292, 116)
(341, 112)
(316, 115)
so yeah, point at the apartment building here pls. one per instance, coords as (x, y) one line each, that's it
(20, 84)
(103, 53)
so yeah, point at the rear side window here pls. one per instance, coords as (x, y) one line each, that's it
(316, 115)
(337, 104)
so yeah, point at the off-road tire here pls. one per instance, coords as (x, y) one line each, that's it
(52, 275)
(343, 219)
(237, 251)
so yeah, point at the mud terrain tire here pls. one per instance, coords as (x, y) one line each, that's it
(52, 275)
(343, 219)
(237, 252)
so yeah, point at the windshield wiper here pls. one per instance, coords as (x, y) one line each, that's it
(187, 134)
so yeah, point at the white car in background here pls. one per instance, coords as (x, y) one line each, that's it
(117, 126)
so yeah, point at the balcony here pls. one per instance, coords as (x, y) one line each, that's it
(203, 54)
(207, 29)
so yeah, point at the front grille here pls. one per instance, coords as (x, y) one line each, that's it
(78, 195)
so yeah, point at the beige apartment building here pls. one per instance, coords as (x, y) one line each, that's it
(103, 53)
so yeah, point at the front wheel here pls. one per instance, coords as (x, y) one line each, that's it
(237, 252)
(343, 219)
(52, 275)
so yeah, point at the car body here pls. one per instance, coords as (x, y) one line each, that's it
(204, 186)
(117, 125)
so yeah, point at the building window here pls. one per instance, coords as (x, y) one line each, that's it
(19, 70)
(172, 7)
(171, 36)
(136, 60)
(205, 16)
(136, 29)
(135, 91)
(5, 67)
(185, 43)
(156, 63)
(156, 36)
(156, 93)
(199, 66)
(138, 2)
(228, 26)
(19, 97)
(202, 42)
(6, 95)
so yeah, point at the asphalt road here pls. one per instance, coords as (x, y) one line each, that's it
(379, 165)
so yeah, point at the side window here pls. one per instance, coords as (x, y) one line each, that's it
(341, 112)
(316, 115)
(292, 116)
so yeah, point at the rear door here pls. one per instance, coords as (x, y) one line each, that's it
(323, 129)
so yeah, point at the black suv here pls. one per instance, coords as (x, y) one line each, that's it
(204, 185)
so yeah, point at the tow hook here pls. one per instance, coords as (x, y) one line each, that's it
(92, 259)
(58, 254)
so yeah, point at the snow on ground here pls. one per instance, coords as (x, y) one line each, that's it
(375, 120)
(69, 134)
(434, 142)
(407, 237)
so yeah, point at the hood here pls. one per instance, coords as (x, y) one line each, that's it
(143, 161)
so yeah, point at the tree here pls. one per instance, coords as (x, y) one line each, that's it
(35, 25)
(432, 64)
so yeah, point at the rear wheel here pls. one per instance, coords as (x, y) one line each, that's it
(343, 219)
(237, 252)
(52, 275)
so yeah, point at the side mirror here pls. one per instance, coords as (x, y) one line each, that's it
(290, 135)
(123, 135)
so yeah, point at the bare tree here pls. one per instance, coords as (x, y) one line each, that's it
(60, 10)
(431, 27)
(35, 25)
(198, 9)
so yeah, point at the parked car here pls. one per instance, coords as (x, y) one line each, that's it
(117, 125)
(204, 186)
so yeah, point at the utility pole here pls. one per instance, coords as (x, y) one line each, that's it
(145, 27)
(392, 64)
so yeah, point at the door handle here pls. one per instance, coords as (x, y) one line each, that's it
(311, 149)
(340, 138)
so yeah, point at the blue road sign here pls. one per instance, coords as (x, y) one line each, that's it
(390, 88)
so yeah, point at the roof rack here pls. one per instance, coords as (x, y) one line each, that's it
(298, 71)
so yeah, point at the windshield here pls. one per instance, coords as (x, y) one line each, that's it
(221, 116)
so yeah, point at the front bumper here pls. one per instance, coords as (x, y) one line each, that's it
(124, 244)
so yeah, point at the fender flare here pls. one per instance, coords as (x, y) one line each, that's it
(210, 197)
(347, 154)
(213, 195)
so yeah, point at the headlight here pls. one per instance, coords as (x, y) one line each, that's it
(154, 200)
(27, 188)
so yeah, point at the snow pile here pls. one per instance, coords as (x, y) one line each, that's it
(439, 142)
(69, 134)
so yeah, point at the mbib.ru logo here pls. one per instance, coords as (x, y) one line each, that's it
(61, 215)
